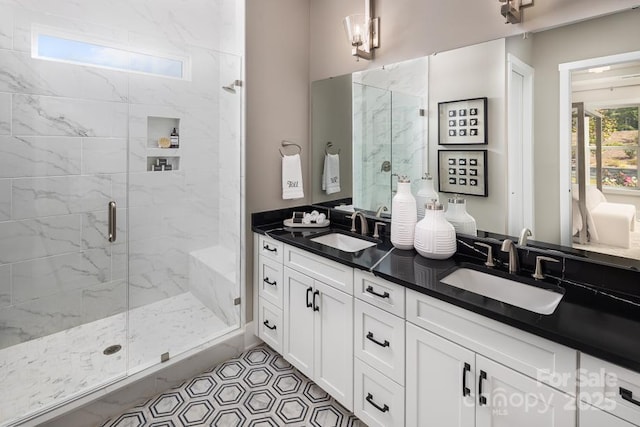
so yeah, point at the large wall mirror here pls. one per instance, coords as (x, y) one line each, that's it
(374, 120)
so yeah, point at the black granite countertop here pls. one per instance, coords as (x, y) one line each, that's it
(600, 320)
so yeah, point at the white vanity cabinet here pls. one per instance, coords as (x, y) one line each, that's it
(459, 374)
(318, 324)
(610, 388)
(593, 417)
(269, 254)
(379, 348)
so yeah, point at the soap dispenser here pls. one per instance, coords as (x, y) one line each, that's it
(435, 237)
(425, 194)
(403, 215)
(458, 216)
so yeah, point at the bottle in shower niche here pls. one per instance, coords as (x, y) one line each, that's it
(403, 215)
(175, 139)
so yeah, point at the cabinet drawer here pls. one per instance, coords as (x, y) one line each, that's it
(604, 384)
(379, 292)
(330, 272)
(271, 248)
(378, 401)
(379, 340)
(541, 359)
(270, 281)
(594, 417)
(270, 327)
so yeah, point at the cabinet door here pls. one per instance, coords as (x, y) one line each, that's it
(298, 321)
(593, 417)
(440, 381)
(507, 398)
(333, 336)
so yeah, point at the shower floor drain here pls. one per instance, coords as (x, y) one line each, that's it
(112, 349)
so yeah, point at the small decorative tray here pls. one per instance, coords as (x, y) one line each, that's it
(289, 223)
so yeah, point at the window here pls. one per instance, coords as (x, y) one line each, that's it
(56, 46)
(614, 148)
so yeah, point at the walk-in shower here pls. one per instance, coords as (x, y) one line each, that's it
(120, 190)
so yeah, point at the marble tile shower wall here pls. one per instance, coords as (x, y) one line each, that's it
(386, 104)
(68, 136)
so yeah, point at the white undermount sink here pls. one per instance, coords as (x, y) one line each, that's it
(532, 298)
(343, 242)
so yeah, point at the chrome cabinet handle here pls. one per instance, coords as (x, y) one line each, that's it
(112, 221)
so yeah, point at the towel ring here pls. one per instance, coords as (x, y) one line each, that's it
(330, 145)
(286, 143)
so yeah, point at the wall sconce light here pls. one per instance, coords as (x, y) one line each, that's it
(511, 10)
(363, 32)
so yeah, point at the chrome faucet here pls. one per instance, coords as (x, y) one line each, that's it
(364, 228)
(509, 246)
(524, 234)
(381, 208)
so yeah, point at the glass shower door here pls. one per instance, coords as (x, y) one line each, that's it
(184, 205)
(63, 284)
(371, 147)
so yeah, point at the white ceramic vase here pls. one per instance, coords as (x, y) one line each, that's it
(425, 194)
(403, 216)
(458, 216)
(435, 237)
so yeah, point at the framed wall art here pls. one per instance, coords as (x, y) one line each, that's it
(463, 172)
(462, 122)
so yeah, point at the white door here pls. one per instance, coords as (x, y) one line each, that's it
(334, 343)
(520, 146)
(440, 386)
(507, 398)
(298, 321)
(593, 417)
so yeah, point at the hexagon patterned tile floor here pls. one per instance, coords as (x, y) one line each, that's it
(258, 389)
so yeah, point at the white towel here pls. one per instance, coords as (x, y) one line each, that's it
(331, 173)
(292, 177)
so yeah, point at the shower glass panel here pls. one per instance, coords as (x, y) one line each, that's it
(407, 137)
(63, 284)
(388, 138)
(371, 147)
(184, 249)
(78, 309)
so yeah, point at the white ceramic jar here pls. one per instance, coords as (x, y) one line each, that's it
(435, 237)
(403, 215)
(458, 216)
(425, 194)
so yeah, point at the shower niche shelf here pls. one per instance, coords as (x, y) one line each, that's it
(157, 128)
(172, 163)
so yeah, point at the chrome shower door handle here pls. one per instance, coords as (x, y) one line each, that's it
(112, 221)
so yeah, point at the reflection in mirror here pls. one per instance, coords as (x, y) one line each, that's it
(386, 133)
(604, 158)
(544, 53)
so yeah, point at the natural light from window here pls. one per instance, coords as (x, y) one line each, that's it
(67, 49)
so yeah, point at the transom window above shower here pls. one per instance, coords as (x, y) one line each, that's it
(56, 45)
